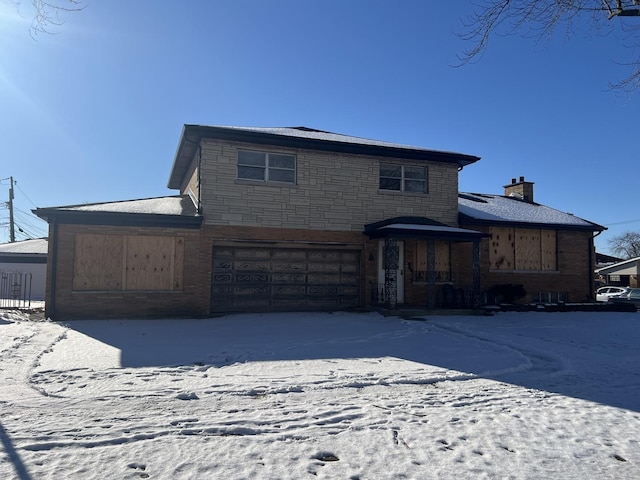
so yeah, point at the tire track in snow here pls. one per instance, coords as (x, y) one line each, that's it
(534, 360)
(21, 358)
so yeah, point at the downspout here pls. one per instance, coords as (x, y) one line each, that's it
(50, 306)
(592, 263)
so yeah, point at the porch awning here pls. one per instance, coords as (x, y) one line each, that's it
(419, 227)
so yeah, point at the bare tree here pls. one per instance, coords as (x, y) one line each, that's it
(626, 245)
(542, 18)
(47, 14)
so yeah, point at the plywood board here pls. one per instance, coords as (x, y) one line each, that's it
(443, 263)
(150, 262)
(528, 249)
(502, 249)
(98, 262)
(549, 250)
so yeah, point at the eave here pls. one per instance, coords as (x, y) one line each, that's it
(52, 215)
(467, 220)
(192, 135)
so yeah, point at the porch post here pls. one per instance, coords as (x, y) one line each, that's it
(391, 260)
(431, 273)
(476, 273)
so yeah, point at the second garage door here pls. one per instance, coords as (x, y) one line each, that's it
(256, 278)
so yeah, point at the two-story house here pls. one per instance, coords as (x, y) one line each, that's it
(273, 219)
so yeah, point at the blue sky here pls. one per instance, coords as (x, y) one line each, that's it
(94, 112)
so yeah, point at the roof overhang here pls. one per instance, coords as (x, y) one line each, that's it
(588, 227)
(192, 135)
(52, 215)
(626, 267)
(420, 227)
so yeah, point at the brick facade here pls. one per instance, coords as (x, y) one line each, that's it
(189, 301)
(573, 276)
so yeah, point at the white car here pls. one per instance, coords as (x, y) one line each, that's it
(604, 293)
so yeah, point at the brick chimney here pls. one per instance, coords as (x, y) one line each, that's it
(520, 189)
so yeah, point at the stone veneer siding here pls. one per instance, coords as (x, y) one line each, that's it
(334, 191)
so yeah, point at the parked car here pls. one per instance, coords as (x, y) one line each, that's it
(604, 293)
(632, 296)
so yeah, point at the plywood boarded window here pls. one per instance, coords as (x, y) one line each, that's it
(523, 249)
(128, 262)
(442, 261)
(98, 262)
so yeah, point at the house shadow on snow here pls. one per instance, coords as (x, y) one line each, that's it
(225, 341)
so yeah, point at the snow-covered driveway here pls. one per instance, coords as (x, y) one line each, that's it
(344, 396)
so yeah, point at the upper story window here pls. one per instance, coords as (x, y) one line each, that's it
(403, 178)
(266, 167)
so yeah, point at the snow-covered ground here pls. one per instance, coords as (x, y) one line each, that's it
(340, 396)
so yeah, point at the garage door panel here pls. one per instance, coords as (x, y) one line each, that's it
(287, 266)
(288, 277)
(289, 290)
(259, 266)
(222, 265)
(250, 290)
(285, 254)
(277, 279)
(251, 278)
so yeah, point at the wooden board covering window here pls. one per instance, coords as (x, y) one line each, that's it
(523, 249)
(502, 252)
(549, 250)
(151, 263)
(128, 262)
(443, 263)
(98, 263)
(527, 249)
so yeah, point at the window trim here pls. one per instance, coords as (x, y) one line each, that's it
(267, 169)
(404, 179)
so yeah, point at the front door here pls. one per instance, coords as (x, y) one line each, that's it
(399, 272)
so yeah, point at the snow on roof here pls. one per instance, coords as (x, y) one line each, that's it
(498, 208)
(428, 228)
(172, 205)
(38, 245)
(311, 133)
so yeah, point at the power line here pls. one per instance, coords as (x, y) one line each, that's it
(624, 221)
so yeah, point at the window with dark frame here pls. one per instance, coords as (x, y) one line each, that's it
(266, 167)
(403, 178)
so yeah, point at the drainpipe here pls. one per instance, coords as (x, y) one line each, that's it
(592, 249)
(50, 306)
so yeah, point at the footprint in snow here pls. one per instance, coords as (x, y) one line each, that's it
(187, 396)
(139, 466)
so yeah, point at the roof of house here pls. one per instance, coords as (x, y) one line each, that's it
(25, 251)
(628, 267)
(37, 246)
(606, 260)
(176, 210)
(480, 208)
(301, 137)
(419, 227)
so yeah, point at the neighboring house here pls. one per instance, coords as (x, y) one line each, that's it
(603, 260)
(624, 273)
(274, 219)
(23, 270)
(550, 253)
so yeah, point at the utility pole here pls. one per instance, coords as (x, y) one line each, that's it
(12, 228)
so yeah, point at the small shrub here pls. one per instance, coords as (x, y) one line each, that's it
(507, 293)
